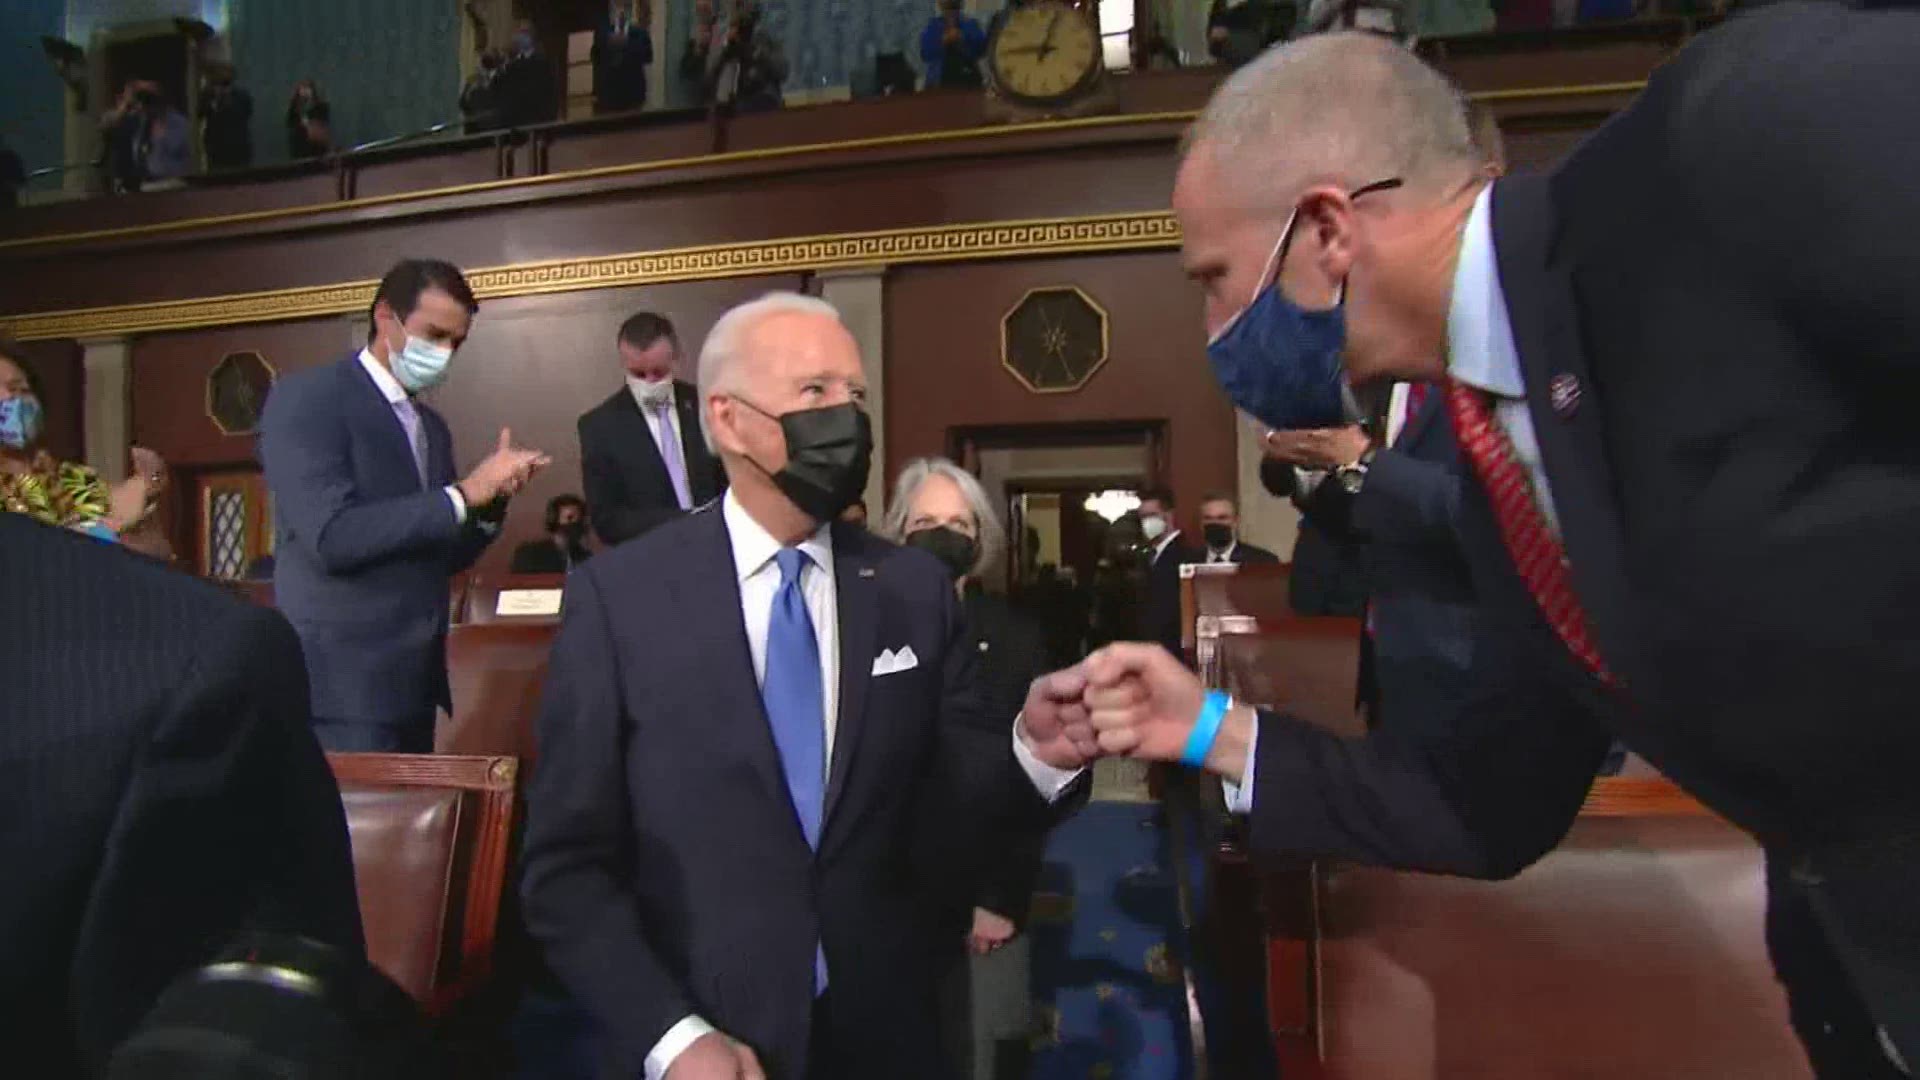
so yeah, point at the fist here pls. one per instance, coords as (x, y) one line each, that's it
(991, 930)
(713, 1056)
(1141, 701)
(1054, 722)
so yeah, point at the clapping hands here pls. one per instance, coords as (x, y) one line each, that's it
(503, 473)
(1128, 699)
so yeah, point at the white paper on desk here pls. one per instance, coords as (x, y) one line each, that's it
(523, 602)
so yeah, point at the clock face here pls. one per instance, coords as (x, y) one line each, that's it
(1044, 53)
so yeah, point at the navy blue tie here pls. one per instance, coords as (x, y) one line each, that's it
(796, 704)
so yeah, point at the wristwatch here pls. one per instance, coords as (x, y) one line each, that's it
(1353, 477)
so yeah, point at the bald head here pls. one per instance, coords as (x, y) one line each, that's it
(1348, 109)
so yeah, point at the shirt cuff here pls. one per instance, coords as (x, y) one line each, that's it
(673, 1044)
(1240, 795)
(459, 503)
(1047, 780)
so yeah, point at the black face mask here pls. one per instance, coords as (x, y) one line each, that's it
(829, 451)
(955, 549)
(1219, 537)
(572, 531)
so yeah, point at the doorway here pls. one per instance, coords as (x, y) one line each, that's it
(1069, 493)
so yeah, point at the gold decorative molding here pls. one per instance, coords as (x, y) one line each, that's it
(1153, 230)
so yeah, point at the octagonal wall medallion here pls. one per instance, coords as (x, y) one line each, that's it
(237, 391)
(1054, 339)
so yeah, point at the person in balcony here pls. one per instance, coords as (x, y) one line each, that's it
(622, 52)
(309, 122)
(951, 45)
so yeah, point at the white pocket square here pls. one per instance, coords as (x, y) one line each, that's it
(892, 663)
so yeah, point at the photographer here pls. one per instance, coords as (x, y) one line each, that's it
(745, 65)
(226, 118)
(309, 122)
(951, 46)
(146, 138)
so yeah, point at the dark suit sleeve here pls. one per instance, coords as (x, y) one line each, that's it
(231, 821)
(1487, 798)
(1409, 499)
(1007, 886)
(579, 850)
(305, 452)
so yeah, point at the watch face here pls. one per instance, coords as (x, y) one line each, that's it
(1044, 53)
(1351, 479)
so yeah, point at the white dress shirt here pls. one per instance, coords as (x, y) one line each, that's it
(396, 395)
(759, 576)
(1223, 556)
(1480, 353)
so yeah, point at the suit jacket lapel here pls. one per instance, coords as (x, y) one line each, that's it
(365, 396)
(1418, 423)
(693, 445)
(708, 605)
(1545, 328)
(858, 596)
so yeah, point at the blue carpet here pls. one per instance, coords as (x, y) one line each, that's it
(1107, 993)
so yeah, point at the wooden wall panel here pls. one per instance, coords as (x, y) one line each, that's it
(944, 370)
(534, 364)
(170, 384)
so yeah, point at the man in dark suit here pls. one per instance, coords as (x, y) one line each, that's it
(807, 688)
(565, 544)
(1160, 607)
(1661, 404)
(370, 521)
(641, 455)
(160, 791)
(1220, 530)
(1398, 501)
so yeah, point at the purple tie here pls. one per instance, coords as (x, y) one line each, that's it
(670, 453)
(416, 435)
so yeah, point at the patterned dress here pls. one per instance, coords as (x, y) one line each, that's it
(61, 493)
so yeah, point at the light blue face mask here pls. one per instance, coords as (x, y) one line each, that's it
(21, 419)
(421, 365)
(1280, 363)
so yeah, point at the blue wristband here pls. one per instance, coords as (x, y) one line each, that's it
(1206, 728)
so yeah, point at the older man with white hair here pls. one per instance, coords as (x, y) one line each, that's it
(755, 717)
(1675, 367)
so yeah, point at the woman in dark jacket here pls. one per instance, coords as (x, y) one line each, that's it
(940, 508)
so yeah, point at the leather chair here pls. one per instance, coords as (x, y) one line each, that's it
(1216, 598)
(430, 839)
(1634, 949)
(496, 672)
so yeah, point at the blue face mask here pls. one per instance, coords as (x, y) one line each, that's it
(421, 365)
(20, 421)
(1280, 363)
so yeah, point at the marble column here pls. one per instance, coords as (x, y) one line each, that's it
(107, 412)
(860, 296)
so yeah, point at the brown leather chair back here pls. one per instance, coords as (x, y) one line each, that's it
(1217, 597)
(1633, 949)
(483, 598)
(496, 672)
(1308, 665)
(430, 836)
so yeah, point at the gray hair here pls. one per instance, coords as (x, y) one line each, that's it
(718, 368)
(992, 541)
(1351, 108)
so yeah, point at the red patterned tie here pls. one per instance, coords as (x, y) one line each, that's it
(1536, 551)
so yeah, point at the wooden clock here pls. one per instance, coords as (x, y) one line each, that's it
(1044, 61)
